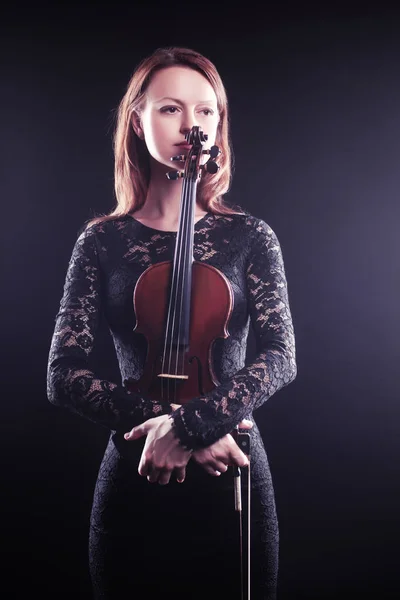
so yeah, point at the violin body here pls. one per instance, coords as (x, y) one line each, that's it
(180, 372)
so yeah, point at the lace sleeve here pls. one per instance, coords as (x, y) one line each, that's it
(70, 381)
(204, 420)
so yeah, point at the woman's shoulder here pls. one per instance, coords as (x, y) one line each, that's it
(246, 222)
(103, 227)
(96, 235)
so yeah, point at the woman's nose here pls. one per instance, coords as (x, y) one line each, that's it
(188, 121)
(186, 128)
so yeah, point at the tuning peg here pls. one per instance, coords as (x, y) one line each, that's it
(173, 175)
(179, 157)
(210, 166)
(214, 151)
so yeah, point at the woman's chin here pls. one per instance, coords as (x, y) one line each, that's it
(161, 166)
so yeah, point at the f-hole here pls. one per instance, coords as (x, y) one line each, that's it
(199, 373)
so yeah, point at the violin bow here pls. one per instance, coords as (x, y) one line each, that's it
(243, 510)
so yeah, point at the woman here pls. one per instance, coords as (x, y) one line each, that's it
(178, 538)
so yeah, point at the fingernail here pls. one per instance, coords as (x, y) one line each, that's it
(126, 435)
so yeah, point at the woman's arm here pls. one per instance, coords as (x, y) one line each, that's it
(204, 420)
(71, 381)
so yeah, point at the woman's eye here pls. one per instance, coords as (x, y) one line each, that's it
(171, 110)
(207, 111)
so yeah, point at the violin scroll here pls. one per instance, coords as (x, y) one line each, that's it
(192, 168)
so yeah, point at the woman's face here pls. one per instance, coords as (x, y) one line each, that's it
(177, 98)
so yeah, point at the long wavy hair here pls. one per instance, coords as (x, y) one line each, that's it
(132, 159)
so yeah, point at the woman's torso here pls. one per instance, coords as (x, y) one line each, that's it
(127, 248)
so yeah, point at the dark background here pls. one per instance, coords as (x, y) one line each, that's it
(315, 108)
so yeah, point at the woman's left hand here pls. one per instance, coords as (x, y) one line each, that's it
(162, 452)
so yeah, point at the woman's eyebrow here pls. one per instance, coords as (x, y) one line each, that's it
(180, 101)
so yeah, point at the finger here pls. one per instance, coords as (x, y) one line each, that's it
(240, 459)
(137, 432)
(154, 475)
(145, 465)
(245, 424)
(220, 466)
(211, 471)
(180, 474)
(164, 477)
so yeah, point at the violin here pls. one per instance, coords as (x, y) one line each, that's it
(181, 308)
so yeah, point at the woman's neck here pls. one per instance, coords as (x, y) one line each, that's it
(163, 200)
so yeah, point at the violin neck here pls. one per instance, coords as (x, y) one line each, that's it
(181, 285)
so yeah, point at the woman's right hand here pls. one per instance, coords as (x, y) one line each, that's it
(225, 452)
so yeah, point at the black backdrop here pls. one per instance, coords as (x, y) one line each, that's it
(315, 107)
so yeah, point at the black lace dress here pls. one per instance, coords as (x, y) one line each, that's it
(179, 540)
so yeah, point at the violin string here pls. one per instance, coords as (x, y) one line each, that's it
(177, 294)
(167, 343)
(166, 339)
(168, 334)
(173, 299)
(181, 274)
(183, 250)
(185, 245)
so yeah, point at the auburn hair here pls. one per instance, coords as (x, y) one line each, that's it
(132, 162)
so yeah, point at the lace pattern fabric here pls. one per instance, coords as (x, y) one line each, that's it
(106, 263)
